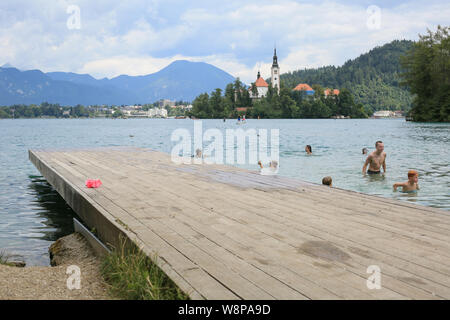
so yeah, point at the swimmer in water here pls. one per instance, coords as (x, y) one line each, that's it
(271, 170)
(365, 151)
(198, 154)
(376, 160)
(411, 185)
(308, 149)
(327, 181)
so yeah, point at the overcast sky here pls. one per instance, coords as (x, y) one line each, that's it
(139, 37)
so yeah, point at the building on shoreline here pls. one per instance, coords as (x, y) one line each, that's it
(327, 92)
(310, 91)
(187, 107)
(304, 87)
(261, 88)
(166, 103)
(152, 113)
(387, 114)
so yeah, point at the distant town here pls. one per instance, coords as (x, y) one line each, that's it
(163, 108)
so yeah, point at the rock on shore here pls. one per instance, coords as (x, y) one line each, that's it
(50, 283)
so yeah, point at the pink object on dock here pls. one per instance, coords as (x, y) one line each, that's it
(93, 183)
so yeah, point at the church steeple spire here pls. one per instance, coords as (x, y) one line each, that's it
(275, 71)
(275, 58)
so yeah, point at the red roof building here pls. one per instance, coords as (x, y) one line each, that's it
(260, 82)
(328, 92)
(304, 87)
(261, 87)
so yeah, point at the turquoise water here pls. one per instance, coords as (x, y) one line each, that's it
(32, 215)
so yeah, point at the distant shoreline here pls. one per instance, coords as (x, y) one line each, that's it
(170, 118)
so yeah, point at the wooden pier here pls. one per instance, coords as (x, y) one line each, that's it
(221, 232)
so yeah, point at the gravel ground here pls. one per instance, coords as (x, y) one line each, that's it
(50, 283)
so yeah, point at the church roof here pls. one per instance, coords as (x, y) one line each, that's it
(335, 92)
(260, 82)
(303, 86)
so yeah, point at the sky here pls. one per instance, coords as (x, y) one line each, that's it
(107, 38)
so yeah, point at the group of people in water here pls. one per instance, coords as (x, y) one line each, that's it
(375, 161)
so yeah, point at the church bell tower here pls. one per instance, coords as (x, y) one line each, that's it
(275, 72)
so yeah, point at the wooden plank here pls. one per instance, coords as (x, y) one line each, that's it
(93, 164)
(226, 233)
(434, 244)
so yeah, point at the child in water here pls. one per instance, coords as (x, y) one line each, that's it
(411, 185)
(271, 170)
(327, 181)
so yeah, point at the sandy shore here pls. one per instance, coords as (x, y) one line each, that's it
(50, 283)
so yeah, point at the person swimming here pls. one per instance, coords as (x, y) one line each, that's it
(365, 151)
(198, 154)
(375, 160)
(327, 181)
(271, 170)
(411, 185)
(308, 149)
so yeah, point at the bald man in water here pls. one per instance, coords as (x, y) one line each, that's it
(376, 160)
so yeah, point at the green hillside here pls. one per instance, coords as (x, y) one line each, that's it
(373, 78)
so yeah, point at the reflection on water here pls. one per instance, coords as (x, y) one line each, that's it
(56, 214)
(43, 219)
(32, 214)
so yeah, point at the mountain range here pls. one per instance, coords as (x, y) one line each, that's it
(373, 78)
(180, 80)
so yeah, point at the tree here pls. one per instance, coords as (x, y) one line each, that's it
(201, 108)
(216, 102)
(289, 108)
(345, 102)
(254, 90)
(287, 104)
(4, 114)
(374, 77)
(230, 96)
(117, 113)
(427, 74)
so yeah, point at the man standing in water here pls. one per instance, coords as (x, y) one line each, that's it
(375, 160)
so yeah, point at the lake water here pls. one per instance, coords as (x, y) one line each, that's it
(33, 215)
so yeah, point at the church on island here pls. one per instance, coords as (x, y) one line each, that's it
(260, 87)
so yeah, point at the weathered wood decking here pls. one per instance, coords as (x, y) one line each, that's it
(226, 233)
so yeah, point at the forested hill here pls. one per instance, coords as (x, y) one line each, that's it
(373, 77)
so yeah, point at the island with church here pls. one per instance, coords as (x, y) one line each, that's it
(271, 98)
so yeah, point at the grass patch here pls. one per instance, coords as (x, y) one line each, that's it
(131, 275)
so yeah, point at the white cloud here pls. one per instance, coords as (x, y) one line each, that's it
(133, 66)
(139, 37)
